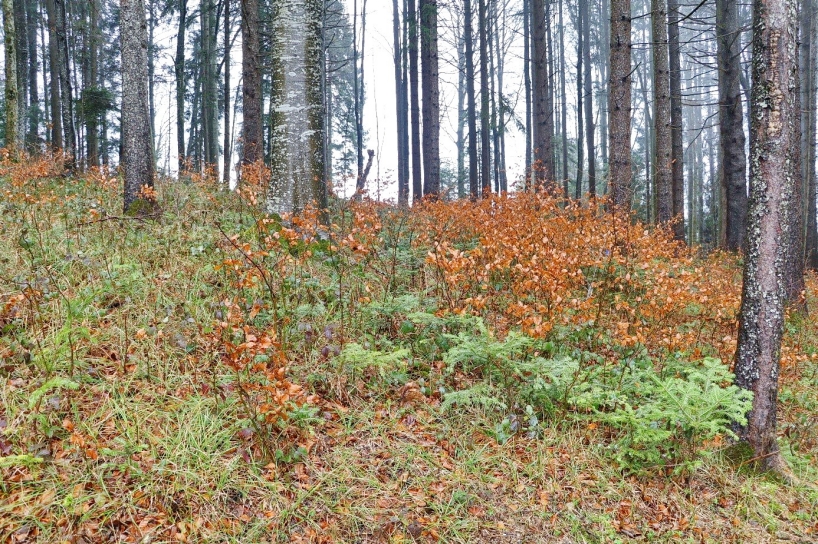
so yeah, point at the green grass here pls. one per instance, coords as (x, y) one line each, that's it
(153, 444)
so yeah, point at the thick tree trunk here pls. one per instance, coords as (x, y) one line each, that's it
(431, 98)
(12, 112)
(417, 180)
(485, 138)
(543, 116)
(619, 104)
(314, 74)
(663, 159)
(137, 152)
(589, 103)
(774, 148)
(676, 128)
(251, 84)
(54, 69)
(33, 137)
(811, 250)
(23, 53)
(733, 171)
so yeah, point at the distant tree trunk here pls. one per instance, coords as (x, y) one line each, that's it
(527, 78)
(417, 183)
(210, 114)
(137, 152)
(431, 98)
(485, 139)
(589, 103)
(773, 167)
(358, 99)
(663, 159)
(564, 108)
(402, 114)
(543, 116)
(181, 81)
(462, 118)
(152, 69)
(34, 114)
(66, 92)
(22, 68)
(619, 104)
(580, 123)
(405, 97)
(12, 111)
(676, 128)
(471, 99)
(227, 147)
(92, 118)
(251, 84)
(733, 171)
(54, 68)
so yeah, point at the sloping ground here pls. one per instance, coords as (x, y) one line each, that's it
(132, 354)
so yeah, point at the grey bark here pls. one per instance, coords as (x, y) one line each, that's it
(10, 43)
(619, 104)
(251, 82)
(400, 110)
(431, 98)
(527, 82)
(417, 181)
(676, 128)
(34, 114)
(471, 99)
(54, 69)
(733, 171)
(589, 104)
(663, 159)
(137, 151)
(485, 138)
(543, 115)
(181, 83)
(773, 168)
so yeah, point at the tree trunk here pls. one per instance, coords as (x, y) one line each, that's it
(92, 118)
(485, 138)
(227, 143)
(564, 102)
(401, 113)
(34, 114)
(676, 128)
(66, 92)
(731, 126)
(417, 183)
(314, 74)
(543, 116)
(23, 52)
(663, 160)
(54, 69)
(619, 104)
(181, 81)
(773, 167)
(811, 249)
(589, 103)
(12, 111)
(474, 189)
(527, 78)
(251, 93)
(462, 118)
(580, 123)
(431, 98)
(137, 152)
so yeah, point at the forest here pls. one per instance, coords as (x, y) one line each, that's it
(408, 271)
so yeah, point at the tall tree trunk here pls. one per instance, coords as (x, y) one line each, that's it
(528, 93)
(543, 116)
(417, 183)
(66, 91)
(589, 107)
(92, 119)
(485, 138)
(773, 167)
(401, 113)
(314, 74)
(137, 151)
(23, 53)
(251, 84)
(580, 123)
(10, 43)
(619, 104)
(181, 83)
(811, 249)
(431, 98)
(151, 69)
(462, 118)
(676, 128)
(358, 88)
(228, 151)
(663, 159)
(54, 69)
(733, 171)
(33, 137)
(564, 103)
(468, 36)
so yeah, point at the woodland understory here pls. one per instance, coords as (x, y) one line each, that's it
(517, 369)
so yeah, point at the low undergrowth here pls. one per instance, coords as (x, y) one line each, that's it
(520, 369)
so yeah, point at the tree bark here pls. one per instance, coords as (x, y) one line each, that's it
(181, 83)
(676, 128)
(12, 112)
(543, 115)
(34, 113)
(417, 182)
(731, 126)
(431, 99)
(251, 84)
(589, 103)
(401, 113)
(663, 159)
(580, 122)
(527, 82)
(619, 104)
(564, 102)
(137, 152)
(66, 91)
(485, 138)
(773, 166)
(811, 249)
(227, 152)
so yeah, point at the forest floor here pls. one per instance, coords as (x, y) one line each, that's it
(211, 375)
